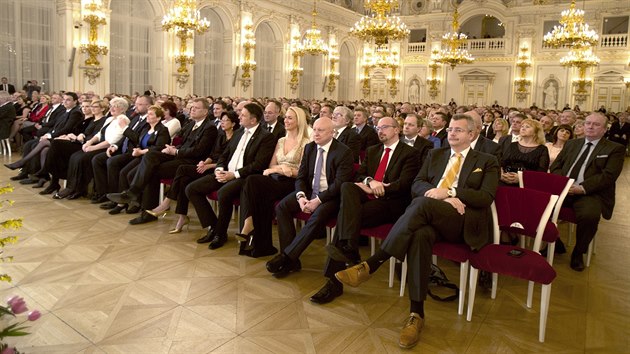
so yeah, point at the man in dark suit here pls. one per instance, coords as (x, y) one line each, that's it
(271, 123)
(198, 139)
(7, 114)
(619, 132)
(366, 133)
(487, 131)
(108, 165)
(342, 118)
(249, 152)
(326, 165)
(440, 121)
(379, 195)
(595, 163)
(452, 196)
(480, 143)
(6, 86)
(218, 108)
(515, 118)
(412, 138)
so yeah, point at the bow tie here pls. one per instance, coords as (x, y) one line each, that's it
(409, 141)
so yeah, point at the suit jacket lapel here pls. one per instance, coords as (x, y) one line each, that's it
(467, 167)
(328, 162)
(440, 166)
(392, 160)
(596, 150)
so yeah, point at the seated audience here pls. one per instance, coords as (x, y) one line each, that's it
(500, 127)
(528, 153)
(562, 134)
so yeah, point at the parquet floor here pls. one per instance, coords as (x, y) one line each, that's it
(105, 286)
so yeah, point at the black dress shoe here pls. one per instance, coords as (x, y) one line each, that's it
(19, 177)
(217, 242)
(50, 189)
(108, 205)
(64, 193)
(328, 293)
(117, 209)
(208, 237)
(133, 208)
(75, 195)
(29, 181)
(347, 254)
(577, 262)
(125, 197)
(12, 166)
(281, 265)
(143, 219)
(99, 199)
(263, 252)
(40, 183)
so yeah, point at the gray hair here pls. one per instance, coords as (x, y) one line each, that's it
(120, 103)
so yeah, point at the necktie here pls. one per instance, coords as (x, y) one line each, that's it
(125, 146)
(47, 116)
(335, 134)
(382, 166)
(434, 134)
(579, 164)
(270, 128)
(409, 142)
(318, 172)
(449, 179)
(241, 152)
(357, 130)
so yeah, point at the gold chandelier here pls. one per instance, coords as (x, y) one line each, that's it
(380, 26)
(453, 50)
(94, 17)
(313, 43)
(184, 20)
(572, 32)
(580, 58)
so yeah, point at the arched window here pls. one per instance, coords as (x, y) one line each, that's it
(268, 62)
(347, 72)
(209, 54)
(131, 40)
(483, 26)
(26, 46)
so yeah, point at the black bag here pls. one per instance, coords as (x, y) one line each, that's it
(438, 278)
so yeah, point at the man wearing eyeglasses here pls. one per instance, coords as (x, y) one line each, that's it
(378, 195)
(342, 118)
(452, 195)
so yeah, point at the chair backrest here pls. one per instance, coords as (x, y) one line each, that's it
(547, 182)
(522, 210)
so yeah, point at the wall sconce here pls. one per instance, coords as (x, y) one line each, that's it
(434, 81)
(582, 86)
(522, 83)
(296, 70)
(94, 17)
(249, 64)
(393, 81)
(626, 81)
(368, 63)
(333, 75)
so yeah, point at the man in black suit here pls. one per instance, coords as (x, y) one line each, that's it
(326, 165)
(619, 132)
(452, 196)
(198, 139)
(440, 121)
(6, 86)
(480, 143)
(271, 123)
(410, 136)
(315, 107)
(218, 108)
(487, 131)
(366, 133)
(515, 118)
(595, 163)
(249, 152)
(107, 166)
(342, 118)
(7, 114)
(379, 195)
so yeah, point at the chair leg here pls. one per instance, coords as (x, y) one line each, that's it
(434, 259)
(161, 192)
(544, 310)
(551, 249)
(472, 286)
(463, 277)
(589, 253)
(403, 277)
(392, 268)
(495, 282)
(329, 234)
(372, 246)
(530, 294)
(571, 233)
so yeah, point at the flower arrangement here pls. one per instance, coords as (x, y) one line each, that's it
(15, 305)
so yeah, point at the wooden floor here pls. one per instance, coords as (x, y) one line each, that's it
(105, 286)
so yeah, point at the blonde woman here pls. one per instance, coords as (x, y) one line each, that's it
(260, 191)
(501, 128)
(529, 153)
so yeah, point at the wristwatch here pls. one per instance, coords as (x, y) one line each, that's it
(451, 192)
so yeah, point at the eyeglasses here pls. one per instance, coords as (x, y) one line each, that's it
(457, 130)
(337, 114)
(382, 127)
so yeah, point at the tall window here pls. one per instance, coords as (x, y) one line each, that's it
(131, 40)
(209, 54)
(26, 43)
(267, 62)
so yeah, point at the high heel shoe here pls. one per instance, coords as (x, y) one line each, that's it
(13, 166)
(159, 214)
(244, 237)
(118, 209)
(178, 228)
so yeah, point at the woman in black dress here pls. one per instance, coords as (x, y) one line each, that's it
(529, 153)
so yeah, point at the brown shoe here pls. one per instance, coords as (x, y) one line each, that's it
(410, 333)
(354, 275)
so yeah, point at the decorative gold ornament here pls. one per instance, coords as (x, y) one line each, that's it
(572, 32)
(249, 64)
(453, 50)
(522, 83)
(313, 43)
(94, 17)
(580, 58)
(333, 75)
(184, 20)
(434, 81)
(380, 26)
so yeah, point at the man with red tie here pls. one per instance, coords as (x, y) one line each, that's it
(379, 195)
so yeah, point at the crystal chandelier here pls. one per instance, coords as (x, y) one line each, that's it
(313, 43)
(579, 58)
(184, 20)
(380, 26)
(572, 32)
(453, 50)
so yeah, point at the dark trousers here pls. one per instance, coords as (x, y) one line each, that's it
(294, 245)
(413, 235)
(80, 170)
(227, 193)
(32, 165)
(358, 211)
(588, 210)
(108, 172)
(258, 197)
(183, 177)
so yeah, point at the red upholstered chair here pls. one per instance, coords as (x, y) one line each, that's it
(214, 199)
(553, 184)
(520, 210)
(380, 232)
(163, 184)
(302, 217)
